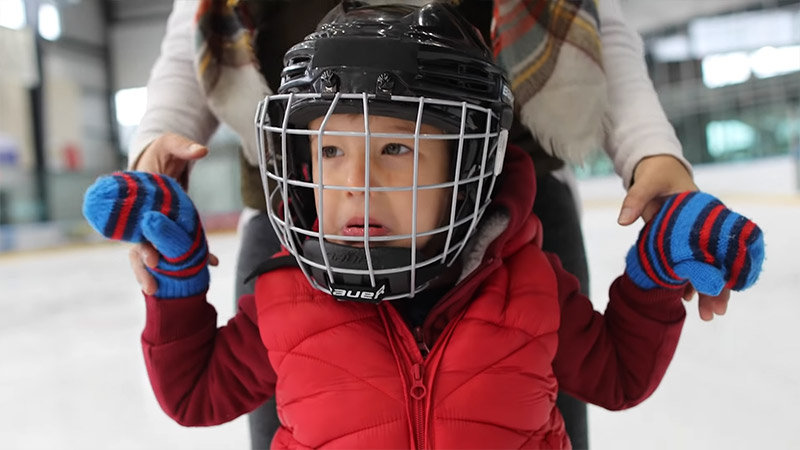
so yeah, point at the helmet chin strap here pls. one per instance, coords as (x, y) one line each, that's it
(352, 287)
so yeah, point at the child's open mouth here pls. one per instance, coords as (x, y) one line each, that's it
(356, 228)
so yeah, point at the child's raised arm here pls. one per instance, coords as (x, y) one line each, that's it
(617, 360)
(201, 374)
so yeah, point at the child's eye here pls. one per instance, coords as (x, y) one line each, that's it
(395, 149)
(331, 152)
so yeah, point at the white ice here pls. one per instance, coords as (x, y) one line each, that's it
(72, 374)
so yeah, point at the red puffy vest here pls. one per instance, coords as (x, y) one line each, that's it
(351, 375)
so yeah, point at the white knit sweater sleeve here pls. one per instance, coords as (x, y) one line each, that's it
(637, 124)
(175, 101)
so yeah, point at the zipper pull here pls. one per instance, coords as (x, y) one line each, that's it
(418, 390)
(423, 347)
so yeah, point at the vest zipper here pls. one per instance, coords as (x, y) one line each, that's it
(411, 361)
(418, 393)
(421, 344)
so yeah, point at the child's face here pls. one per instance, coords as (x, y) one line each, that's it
(391, 165)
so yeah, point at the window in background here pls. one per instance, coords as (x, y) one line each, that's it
(771, 61)
(787, 132)
(734, 68)
(672, 48)
(130, 105)
(49, 21)
(726, 69)
(12, 14)
(728, 139)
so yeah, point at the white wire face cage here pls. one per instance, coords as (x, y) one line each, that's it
(368, 267)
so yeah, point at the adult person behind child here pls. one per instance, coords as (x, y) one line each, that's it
(184, 109)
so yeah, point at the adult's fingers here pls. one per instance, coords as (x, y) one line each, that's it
(142, 256)
(709, 306)
(635, 202)
(705, 308)
(170, 154)
(651, 209)
(654, 178)
(688, 293)
(717, 304)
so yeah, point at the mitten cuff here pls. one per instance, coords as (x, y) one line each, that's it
(173, 285)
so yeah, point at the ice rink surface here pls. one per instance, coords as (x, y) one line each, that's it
(72, 374)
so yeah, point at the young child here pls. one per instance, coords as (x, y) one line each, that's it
(393, 192)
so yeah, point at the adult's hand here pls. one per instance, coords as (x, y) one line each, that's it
(655, 178)
(169, 154)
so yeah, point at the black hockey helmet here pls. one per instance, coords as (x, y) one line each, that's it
(424, 64)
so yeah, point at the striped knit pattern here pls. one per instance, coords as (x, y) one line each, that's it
(145, 207)
(527, 36)
(695, 238)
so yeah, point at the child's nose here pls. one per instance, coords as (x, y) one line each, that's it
(356, 174)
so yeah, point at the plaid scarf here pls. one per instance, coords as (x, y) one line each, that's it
(550, 50)
(544, 26)
(552, 55)
(221, 41)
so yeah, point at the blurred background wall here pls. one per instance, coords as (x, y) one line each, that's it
(72, 77)
(727, 74)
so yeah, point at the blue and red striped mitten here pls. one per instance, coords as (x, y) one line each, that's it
(695, 238)
(140, 206)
